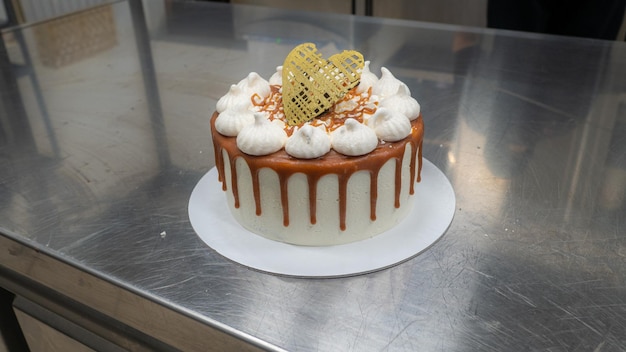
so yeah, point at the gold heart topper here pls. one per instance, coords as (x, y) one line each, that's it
(311, 84)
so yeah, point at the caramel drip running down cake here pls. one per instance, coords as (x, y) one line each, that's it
(342, 168)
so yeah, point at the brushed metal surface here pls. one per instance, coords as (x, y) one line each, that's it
(98, 159)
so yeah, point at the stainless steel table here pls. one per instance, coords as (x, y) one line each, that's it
(104, 132)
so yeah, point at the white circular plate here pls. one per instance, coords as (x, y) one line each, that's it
(428, 220)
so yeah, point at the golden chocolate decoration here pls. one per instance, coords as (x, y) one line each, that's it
(312, 84)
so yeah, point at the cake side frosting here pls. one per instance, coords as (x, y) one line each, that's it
(333, 163)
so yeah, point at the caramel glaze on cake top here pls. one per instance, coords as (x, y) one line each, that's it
(332, 163)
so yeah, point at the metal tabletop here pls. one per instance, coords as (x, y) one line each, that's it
(104, 133)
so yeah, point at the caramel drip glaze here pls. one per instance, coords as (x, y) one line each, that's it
(332, 163)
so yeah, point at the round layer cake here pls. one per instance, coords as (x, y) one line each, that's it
(347, 175)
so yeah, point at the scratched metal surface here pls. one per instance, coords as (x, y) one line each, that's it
(99, 156)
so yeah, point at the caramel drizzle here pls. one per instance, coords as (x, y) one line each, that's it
(331, 119)
(333, 163)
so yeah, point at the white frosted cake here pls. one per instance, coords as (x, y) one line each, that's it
(344, 175)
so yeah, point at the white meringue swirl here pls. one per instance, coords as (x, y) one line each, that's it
(353, 138)
(234, 96)
(277, 78)
(232, 120)
(261, 137)
(368, 79)
(308, 142)
(403, 103)
(390, 125)
(387, 85)
(255, 84)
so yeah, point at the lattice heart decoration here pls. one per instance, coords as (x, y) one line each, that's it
(312, 84)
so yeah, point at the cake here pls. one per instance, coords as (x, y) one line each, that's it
(332, 172)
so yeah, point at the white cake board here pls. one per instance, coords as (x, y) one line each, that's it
(428, 220)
